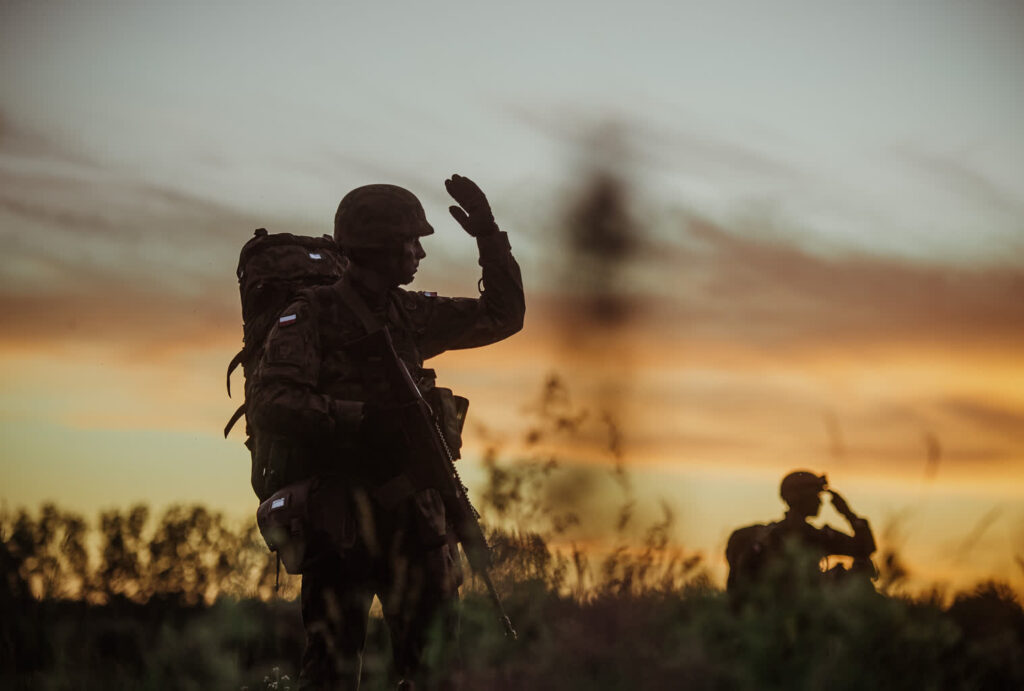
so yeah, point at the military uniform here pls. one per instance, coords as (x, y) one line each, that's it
(320, 409)
(815, 543)
(789, 552)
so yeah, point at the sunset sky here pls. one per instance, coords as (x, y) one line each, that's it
(826, 215)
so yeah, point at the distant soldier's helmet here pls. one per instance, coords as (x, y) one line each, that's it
(800, 483)
(379, 216)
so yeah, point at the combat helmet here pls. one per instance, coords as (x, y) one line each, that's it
(799, 482)
(379, 216)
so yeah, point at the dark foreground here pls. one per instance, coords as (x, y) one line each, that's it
(688, 638)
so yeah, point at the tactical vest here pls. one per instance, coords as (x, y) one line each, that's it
(345, 374)
(344, 377)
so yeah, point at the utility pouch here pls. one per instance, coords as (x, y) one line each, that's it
(302, 520)
(283, 520)
(450, 415)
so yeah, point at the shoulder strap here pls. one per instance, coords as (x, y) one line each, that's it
(354, 301)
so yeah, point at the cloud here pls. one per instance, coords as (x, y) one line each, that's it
(959, 178)
(656, 146)
(129, 319)
(770, 295)
(94, 256)
(726, 334)
(1003, 420)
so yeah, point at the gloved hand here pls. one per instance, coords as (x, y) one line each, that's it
(474, 213)
(841, 506)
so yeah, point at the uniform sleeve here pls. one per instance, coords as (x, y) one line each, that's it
(859, 545)
(451, 323)
(285, 399)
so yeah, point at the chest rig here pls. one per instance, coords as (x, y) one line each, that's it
(344, 319)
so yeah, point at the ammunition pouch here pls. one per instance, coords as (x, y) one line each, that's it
(304, 519)
(450, 416)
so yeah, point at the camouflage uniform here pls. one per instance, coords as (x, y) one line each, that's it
(315, 408)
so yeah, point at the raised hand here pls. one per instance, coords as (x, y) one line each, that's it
(474, 213)
(840, 504)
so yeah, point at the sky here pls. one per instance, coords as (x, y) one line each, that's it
(824, 212)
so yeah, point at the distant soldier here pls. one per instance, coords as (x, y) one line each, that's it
(323, 407)
(795, 547)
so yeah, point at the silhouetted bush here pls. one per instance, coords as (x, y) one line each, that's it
(187, 600)
(186, 603)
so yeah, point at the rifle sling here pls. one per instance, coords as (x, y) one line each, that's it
(399, 487)
(372, 324)
(355, 302)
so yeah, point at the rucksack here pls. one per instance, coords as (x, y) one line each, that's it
(272, 269)
(747, 550)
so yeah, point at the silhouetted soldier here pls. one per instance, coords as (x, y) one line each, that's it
(326, 402)
(792, 549)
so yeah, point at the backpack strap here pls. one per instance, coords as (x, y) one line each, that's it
(235, 362)
(355, 302)
(234, 418)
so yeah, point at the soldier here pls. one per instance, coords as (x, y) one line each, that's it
(795, 547)
(801, 490)
(323, 406)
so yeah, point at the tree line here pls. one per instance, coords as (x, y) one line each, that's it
(189, 554)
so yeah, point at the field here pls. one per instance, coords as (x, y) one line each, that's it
(189, 603)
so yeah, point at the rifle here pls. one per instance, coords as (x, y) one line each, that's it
(434, 464)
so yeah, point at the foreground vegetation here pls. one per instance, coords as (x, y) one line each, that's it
(189, 603)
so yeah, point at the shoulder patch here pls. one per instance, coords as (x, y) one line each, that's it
(428, 293)
(288, 319)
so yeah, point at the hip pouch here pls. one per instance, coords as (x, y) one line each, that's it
(283, 520)
(302, 520)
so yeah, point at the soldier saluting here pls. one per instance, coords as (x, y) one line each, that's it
(801, 490)
(322, 407)
(794, 547)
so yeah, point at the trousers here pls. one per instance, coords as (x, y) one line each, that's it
(405, 557)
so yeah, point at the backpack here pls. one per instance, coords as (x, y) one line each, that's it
(272, 269)
(746, 552)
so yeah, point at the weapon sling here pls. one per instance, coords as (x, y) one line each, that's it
(418, 422)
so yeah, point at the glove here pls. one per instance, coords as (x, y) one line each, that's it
(474, 213)
(841, 506)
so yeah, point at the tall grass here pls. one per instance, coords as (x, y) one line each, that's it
(635, 619)
(187, 601)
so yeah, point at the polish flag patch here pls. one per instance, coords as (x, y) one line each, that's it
(287, 320)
